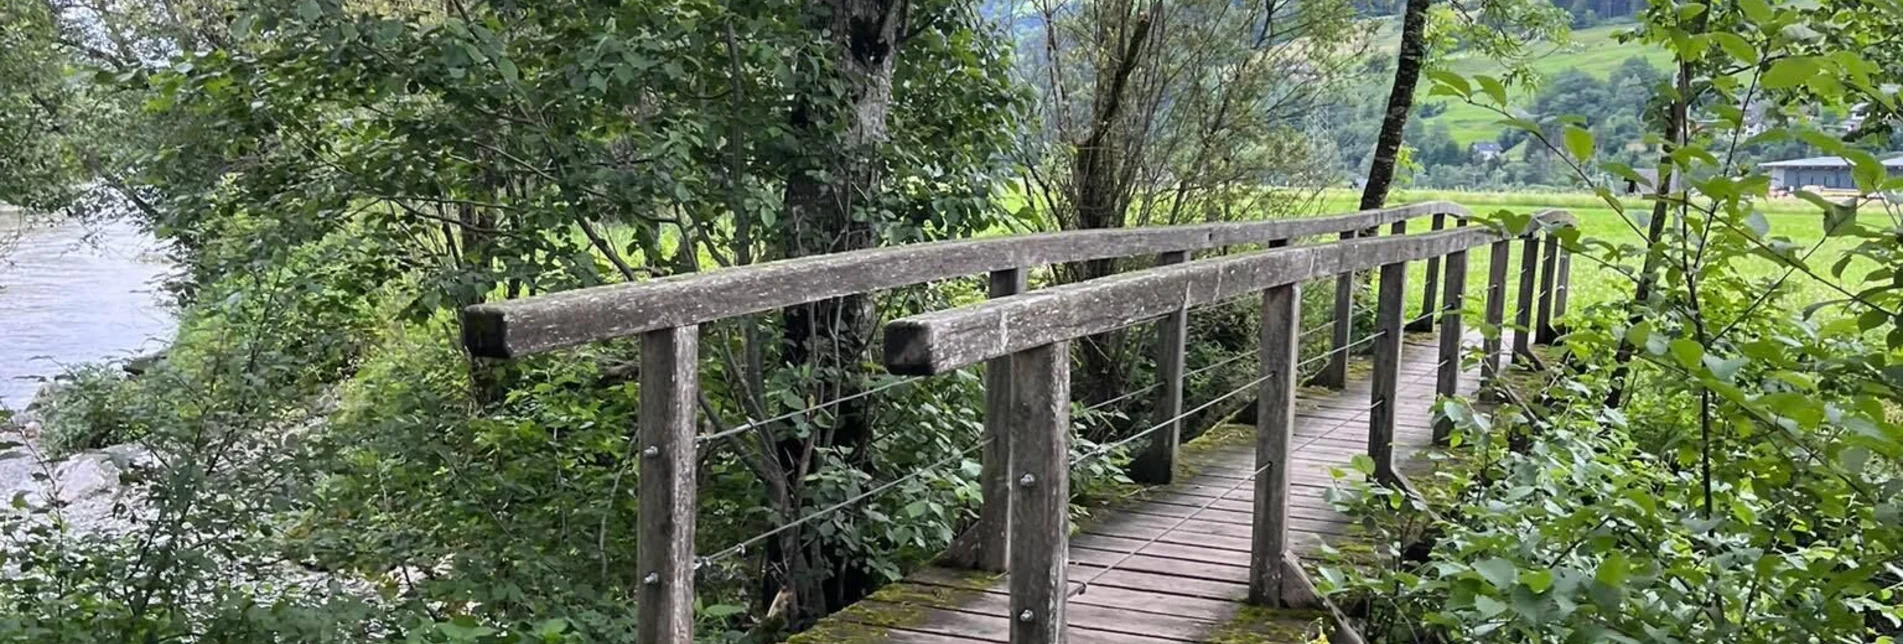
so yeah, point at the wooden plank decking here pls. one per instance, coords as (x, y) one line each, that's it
(1188, 580)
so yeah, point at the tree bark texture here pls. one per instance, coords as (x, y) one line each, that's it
(830, 337)
(1407, 75)
(1101, 179)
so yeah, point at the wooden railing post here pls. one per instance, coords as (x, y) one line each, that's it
(1157, 463)
(664, 551)
(1040, 491)
(1565, 284)
(1452, 329)
(1495, 317)
(1334, 373)
(1431, 285)
(1523, 318)
(1543, 332)
(1281, 324)
(1387, 369)
(990, 540)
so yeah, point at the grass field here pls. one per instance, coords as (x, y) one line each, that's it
(1595, 51)
(1592, 282)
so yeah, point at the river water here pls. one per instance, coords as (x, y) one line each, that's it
(72, 293)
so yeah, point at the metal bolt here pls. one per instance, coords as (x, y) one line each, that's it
(653, 579)
(1027, 481)
(1026, 616)
(651, 451)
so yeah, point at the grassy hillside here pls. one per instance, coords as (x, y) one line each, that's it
(1594, 51)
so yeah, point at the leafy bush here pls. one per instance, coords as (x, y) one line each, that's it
(87, 408)
(1570, 522)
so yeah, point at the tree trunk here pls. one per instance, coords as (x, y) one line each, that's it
(831, 337)
(1677, 124)
(1100, 201)
(1407, 75)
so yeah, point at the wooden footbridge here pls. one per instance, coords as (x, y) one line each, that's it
(1179, 564)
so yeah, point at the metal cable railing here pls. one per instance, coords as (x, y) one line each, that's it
(1217, 365)
(741, 547)
(750, 424)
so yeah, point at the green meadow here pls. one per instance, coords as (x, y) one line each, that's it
(1593, 282)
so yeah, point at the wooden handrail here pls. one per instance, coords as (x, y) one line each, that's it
(942, 341)
(542, 323)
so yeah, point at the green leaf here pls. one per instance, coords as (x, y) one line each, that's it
(1455, 83)
(1736, 46)
(1578, 142)
(1690, 354)
(1612, 572)
(1759, 11)
(1757, 223)
(1489, 606)
(1724, 369)
(507, 67)
(1537, 580)
(1362, 463)
(1494, 88)
(1499, 572)
(309, 10)
(1790, 72)
(722, 610)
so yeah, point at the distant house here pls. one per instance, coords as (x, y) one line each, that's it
(1829, 173)
(1485, 151)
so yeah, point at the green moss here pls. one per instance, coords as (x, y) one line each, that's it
(1223, 438)
(899, 605)
(1259, 625)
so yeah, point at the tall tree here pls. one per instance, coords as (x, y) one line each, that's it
(1174, 112)
(1500, 29)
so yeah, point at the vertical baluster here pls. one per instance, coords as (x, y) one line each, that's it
(1334, 373)
(1523, 318)
(1495, 317)
(1157, 463)
(1447, 374)
(1281, 324)
(1040, 505)
(988, 540)
(1430, 288)
(664, 553)
(1549, 265)
(1387, 369)
(1565, 288)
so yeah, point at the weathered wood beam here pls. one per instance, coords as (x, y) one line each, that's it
(1156, 464)
(546, 322)
(1431, 285)
(1543, 332)
(1385, 381)
(1447, 373)
(1495, 318)
(664, 552)
(1529, 283)
(1040, 504)
(945, 340)
(987, 544)
(1281, 327)
(1334, 371)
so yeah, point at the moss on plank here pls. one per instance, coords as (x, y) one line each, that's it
(901, 605)
(1260, 625)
